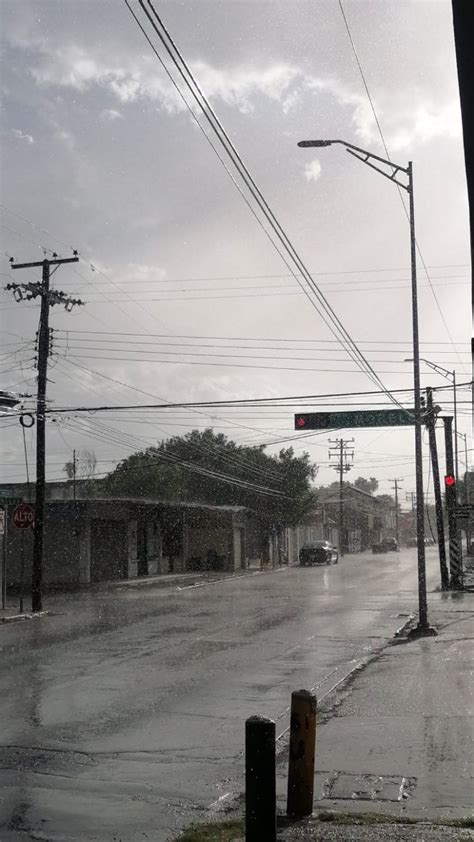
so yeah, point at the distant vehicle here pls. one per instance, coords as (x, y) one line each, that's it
(387, 545)
(412, 542)
(318, 552)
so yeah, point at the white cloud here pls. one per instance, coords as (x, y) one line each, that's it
(406, 118)
(22, 136)
(312, 170)
(66, 138)
(140, 78)
(111, 114)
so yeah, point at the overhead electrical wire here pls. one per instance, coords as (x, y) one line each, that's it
(198, 469)
(321, 304)
(179, 353)
(251, 338)
(246, 401)
(359, 65)
(205, 447)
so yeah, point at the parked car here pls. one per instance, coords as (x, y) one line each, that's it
(318, 552)
(387, 545)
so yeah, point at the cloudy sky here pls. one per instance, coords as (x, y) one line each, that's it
(101, 154)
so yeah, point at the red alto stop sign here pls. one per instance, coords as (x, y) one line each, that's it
(23, 516)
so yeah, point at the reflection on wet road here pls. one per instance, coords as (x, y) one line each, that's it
(123, 710)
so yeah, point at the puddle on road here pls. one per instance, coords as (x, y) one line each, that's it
(349, 786)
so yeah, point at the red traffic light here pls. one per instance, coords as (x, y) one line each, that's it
(300, 422)
(449, 481)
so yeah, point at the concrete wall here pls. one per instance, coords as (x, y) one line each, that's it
(198, 541)
(132, 548)
(62, 554)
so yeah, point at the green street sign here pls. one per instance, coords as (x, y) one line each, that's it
(364, 418)
(10, 501)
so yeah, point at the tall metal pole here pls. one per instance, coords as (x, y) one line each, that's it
(420, 518)
(430, 423)
(456, 462)
(43, 347)
(455, 560)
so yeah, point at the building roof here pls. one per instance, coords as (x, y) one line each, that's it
(148, 501)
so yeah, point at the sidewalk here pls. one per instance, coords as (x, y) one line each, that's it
(399, 740)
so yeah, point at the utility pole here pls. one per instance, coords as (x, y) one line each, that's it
(27, 292)
(411, 495)
(466, 489)
(396, 480)
(341, 449)
(74, 474)
(455, 556)
(431, 425)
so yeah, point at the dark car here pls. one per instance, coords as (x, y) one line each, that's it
(387, 545)
(318, 552)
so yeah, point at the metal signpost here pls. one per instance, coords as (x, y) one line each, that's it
(23, 516)
(380, 418)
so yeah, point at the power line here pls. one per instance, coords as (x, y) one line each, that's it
(334, 324)
(345, 282)
(359, 65)
(236, 401)
(250, 339)
(234, 365)
(178, 353)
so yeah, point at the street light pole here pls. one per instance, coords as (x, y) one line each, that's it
(368, 158)
(456, 462)
(420, 515)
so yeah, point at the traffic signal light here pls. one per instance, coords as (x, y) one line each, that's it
(449, 481)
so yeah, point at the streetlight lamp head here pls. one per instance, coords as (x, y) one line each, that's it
(316, 142)
(408, 360)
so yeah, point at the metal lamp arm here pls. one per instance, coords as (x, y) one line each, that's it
(395, 168)
(366, 158)
(438, 368)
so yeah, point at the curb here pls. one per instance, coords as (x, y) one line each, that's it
(25, 616)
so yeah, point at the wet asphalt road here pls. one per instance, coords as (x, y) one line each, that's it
(123, 711)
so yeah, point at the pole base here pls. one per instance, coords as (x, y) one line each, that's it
(422, 631)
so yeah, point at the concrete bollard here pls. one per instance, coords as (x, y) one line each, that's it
(302, 751)
(260, 780)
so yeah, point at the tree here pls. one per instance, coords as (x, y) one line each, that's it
(86, 463)
(367, 485)
(388, 500)
(210, 468)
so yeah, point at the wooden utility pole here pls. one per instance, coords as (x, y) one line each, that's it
(344, 453)
(431, 425)
(396, 480)
(27, 292)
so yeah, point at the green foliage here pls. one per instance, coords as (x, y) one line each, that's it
(187, 468)
(387, 499)
(214, 832)
(368, 485)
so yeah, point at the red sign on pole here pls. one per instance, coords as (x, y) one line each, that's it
(23, 516)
